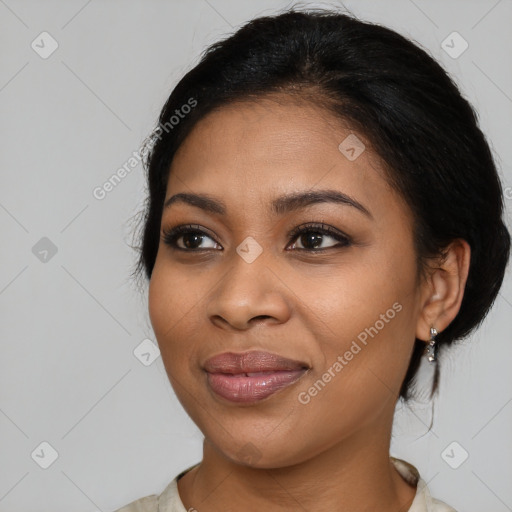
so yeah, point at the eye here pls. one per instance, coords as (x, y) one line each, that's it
(309, 238)
(312, 237)
(188, 238)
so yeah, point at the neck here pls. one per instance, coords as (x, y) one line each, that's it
(353, 475)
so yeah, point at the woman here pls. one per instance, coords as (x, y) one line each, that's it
(323, 213)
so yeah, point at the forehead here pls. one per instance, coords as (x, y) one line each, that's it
(248, 151)
(272, 130)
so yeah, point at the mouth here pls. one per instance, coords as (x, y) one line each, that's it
(251, 376)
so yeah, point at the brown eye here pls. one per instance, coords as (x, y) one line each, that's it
(186, 238)
(313, 238)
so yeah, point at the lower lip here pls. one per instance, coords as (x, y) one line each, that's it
(240, 388)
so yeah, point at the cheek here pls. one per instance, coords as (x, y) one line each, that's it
(370, 315)
(161, 302)
(172, 305)
(355, 299)
(360, 374)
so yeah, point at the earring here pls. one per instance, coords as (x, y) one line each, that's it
(431, 348)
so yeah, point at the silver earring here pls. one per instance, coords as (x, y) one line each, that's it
(431, 348)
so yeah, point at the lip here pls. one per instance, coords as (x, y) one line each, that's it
(248, 362)
(251, 376)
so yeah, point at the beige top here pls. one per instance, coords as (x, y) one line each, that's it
(170, 501)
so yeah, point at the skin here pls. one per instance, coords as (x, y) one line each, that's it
(279, 454)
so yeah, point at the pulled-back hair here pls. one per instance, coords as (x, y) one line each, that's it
(389, 89)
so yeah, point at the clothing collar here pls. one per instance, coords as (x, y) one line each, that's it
(170, 499)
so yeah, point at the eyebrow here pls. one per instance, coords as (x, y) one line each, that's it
(279, 206)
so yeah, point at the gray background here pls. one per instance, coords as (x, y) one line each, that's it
(71, 321)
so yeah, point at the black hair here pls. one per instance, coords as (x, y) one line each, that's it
(393, 92)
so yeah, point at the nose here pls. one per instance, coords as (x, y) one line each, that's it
(248, 294)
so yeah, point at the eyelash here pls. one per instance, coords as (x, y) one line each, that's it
(170, 236)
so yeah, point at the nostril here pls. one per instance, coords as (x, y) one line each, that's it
(261, 317)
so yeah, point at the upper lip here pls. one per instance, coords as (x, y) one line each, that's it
(254, 361)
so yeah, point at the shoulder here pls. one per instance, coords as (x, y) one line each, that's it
(146, 504)
(423, 500)
(168, 501)
(441, 506)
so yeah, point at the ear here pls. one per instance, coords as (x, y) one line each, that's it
(443, 290)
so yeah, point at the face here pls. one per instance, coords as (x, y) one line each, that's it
(338, 298)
